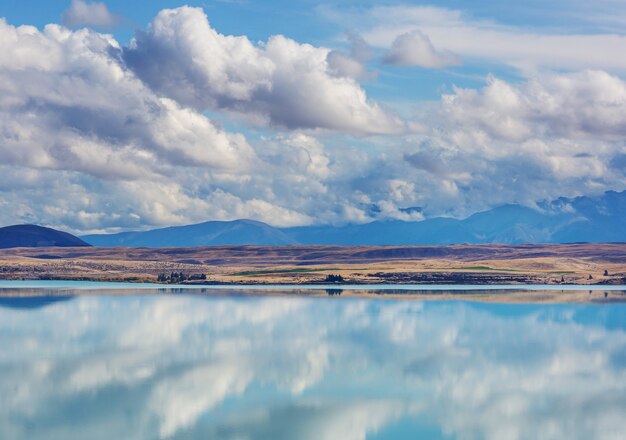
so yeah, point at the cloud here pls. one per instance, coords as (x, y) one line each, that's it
(92, 14)
(581, 105)
(552, 134)
(353, 63)
(95, 136)
(415, 49)
(70, 107)
(279, 82)
(75, 106)
(479, 41)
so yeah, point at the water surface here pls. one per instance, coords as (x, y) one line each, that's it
(234, 366)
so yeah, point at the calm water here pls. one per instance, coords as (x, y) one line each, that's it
(259, 367)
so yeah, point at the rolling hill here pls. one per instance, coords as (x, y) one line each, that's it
(36, 236)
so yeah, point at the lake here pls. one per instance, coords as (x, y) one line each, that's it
(229, 365)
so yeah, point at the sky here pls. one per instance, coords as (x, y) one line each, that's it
(123, 115)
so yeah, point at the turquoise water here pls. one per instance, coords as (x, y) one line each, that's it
(233, 366)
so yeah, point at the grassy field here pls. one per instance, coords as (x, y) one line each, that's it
(248, 273)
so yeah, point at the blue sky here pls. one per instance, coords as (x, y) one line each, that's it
(120, 115)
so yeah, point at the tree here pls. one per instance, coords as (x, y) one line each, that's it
(332, 278)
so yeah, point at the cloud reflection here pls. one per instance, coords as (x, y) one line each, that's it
(275, 367)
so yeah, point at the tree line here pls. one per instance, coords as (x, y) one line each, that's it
(179, 277)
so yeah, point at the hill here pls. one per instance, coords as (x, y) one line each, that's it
(36, 236)
(211, 233)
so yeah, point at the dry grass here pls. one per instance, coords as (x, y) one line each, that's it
(480, 264)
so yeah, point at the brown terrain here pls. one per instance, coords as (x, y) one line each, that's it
(460, 264)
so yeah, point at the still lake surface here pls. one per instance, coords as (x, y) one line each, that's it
(228, 365)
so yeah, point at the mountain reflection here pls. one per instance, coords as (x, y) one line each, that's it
(144, 367)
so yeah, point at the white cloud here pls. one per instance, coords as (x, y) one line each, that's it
(69, 105)
(93, 14)
(279, 82)
(552, 135)
(87, 145)
(74, 106)
(581, 105)
(415, 49)
(476, 40)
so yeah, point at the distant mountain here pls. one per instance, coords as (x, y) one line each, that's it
(600, 219)
(36, 236)
(383, 232)
(581, 219)
(203, 234)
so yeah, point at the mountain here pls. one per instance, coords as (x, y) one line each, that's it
(581, 219)
(36, 236)
(383, 232)
(597, 219)
(203, 234)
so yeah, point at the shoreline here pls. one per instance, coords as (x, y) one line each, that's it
(104, 284)
(506, 294)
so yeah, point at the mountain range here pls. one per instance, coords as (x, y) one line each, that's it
(211, 233)
(580, 219)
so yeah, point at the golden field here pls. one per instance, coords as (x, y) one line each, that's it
(461, 264)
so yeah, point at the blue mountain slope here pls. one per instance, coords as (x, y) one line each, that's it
(387, 232)
(596, 220)
(515, 224)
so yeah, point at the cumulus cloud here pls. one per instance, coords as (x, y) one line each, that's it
(93, 14)
(87, 145)
(582, 105)
(95, 136)
(278, 82)
(415, 49)
(70, 106)
(75, 106)
(553, 134)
